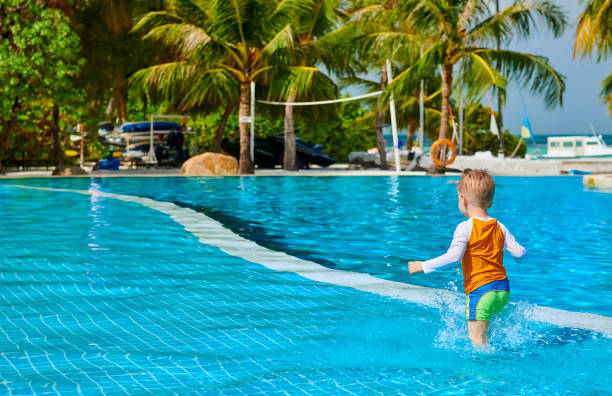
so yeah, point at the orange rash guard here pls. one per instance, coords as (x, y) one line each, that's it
(483, 260)
(480, 242)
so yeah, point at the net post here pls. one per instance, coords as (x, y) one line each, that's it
(460, 123)
(421, 115)
(253, 122)
(152, 158)
(393, 123)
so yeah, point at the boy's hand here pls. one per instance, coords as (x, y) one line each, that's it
(415, 266)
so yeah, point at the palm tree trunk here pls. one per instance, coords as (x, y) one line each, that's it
(411, 130)
(118, 102)
(289, 161)
(380, 139)
(447, 84)
(245, 166)
(216, 147)
(501, 125)
(58, 156)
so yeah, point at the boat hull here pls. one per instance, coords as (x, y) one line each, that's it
(559, 157)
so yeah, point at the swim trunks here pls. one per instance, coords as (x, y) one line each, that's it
(487, 300)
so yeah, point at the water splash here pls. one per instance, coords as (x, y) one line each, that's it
(514, 330)
(453, 328)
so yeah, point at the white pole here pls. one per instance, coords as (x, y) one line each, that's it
(81, 130)
(152, 158)
(393, 122)
(421, 115)
(460, 124)
(253, 122)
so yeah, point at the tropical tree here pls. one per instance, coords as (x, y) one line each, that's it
(406, 107)
(594, 34)
(464, 30)
(300, 78)
(378, 35)
(39, 60)
(111, 52)
(217, 47)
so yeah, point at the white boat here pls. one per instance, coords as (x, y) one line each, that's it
(560, 147)
(134, 135)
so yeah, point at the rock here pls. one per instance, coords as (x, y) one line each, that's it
(367, 160)
(210, 164)
(69, 171)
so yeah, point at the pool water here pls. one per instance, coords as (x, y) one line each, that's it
(100, 295)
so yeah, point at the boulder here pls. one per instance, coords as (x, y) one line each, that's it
(210, 164)
(69, 171)
(367, 160)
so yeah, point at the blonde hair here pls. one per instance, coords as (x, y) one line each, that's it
(478, 185)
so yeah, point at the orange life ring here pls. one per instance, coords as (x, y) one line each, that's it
(434, 152)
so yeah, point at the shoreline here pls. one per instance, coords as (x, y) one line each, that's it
(496, 167)
(317, 172)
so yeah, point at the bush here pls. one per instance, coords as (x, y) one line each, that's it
(486, 141)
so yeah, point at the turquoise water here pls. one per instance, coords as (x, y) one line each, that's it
(105, 296)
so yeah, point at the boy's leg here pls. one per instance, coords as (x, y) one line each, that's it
(481, 304)
(478, 330)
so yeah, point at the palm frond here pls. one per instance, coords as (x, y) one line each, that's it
(306, 83)
(187, 39)
(531, 70)
(280, 43)
(478, 75)
(518, 20)
(212, 87)
(155, 19)
(167, 79)
(429, 16)
(606, 92)
(594, 30)
(408, 81)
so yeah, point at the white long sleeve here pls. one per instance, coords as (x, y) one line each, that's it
(459, 244)
(510, 244)
(455, 251)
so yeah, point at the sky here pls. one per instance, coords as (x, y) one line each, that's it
(581, 102)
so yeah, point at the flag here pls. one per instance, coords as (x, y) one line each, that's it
(494, 129)
(526, 128)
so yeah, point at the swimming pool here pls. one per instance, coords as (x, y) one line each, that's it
(128, 293)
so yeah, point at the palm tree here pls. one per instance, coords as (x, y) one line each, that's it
(377, 35)
(594, 33)
(464, 30)
(311, 21)
(219, 47)
(407, 107)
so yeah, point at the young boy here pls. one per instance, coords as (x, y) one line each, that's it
(478, 242)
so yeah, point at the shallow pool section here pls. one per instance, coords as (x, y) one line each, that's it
(376, 224)
(105, 296)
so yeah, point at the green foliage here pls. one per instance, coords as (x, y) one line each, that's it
(341, 134)
(594, 34)
(486, 141)
(112, 53)
(39, 61)
(465, 31)
(477, 136)
(206, 127)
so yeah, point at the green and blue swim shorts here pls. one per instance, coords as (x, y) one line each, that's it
(487, 300)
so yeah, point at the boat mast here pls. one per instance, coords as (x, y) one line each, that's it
(499, 99)
(421, 112)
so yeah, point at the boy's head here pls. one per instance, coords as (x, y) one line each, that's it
(476, 188)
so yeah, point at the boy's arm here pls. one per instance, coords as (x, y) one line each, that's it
(455, 251)
(511, 245)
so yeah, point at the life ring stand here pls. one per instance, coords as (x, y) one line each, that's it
(437, 146)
